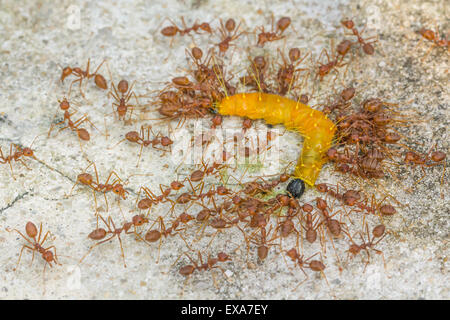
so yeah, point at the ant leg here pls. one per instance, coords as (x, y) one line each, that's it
(121, 248)
(80, 79)
(95, 245)
(140, 154)
(20, 255)
(95, 72)
(428, 52)
(10, 162)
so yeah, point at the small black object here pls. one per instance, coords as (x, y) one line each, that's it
(296, 188)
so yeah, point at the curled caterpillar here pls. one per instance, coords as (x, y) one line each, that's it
(312, 124)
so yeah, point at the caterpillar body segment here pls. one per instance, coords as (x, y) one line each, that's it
(313, 125)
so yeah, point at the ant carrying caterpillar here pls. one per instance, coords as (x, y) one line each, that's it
(312, 124)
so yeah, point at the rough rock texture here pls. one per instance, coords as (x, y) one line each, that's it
(40, 37)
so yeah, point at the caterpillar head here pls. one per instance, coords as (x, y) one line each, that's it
(296, 188)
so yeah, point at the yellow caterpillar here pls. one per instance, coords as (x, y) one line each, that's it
(312, 124)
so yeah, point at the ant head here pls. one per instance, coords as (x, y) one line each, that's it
(119, 190)
(123, 86)
(349, 24)
(139, 220)
(322, 187)
(166, 141)
(27, 152)
(222, 257)
(354, 249)
(64, 104)
(66, 72)
(206, 27)
(48, 256)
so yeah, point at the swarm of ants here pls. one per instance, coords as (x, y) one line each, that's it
(368, 147)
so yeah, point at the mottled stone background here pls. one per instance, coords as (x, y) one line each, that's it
(38, 37)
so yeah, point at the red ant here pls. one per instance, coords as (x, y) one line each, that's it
(154, 235)
(116, 186)
(151, 198)
(82, 133)
(310, 227)
(210, 264)
(229, 32)
(172, 30)
(202, 72)
(125, 95)
(262, 242)
(80, 74)
(366, 46)
(16, 156)
(436, 157)
(135, 137)
(378, 232)
(286, 74)
(273, 35)
(100, 233)
(37, 245)
(314, 265)
(435, 38)
(256, 77)
(332, 64)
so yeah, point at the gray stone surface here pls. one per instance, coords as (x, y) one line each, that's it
(38, 37)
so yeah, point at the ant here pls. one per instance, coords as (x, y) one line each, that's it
(256, 77)
(172, 30)
(82, 133)
(100, 233)
(154, 235)
(262, 242)
(202, 73)
(342, 102)
(314, 265)
(365, 45)
(435, 38)
(436, 157)
(116, 186)
(332, 64)
(80, 74)
(123, 98)
(286, 74)
(378, 232)
(37, 245)
(310, 227)
(210, 264)
(273, 35)
(229, 32)
(17, 156)
(139, 138)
